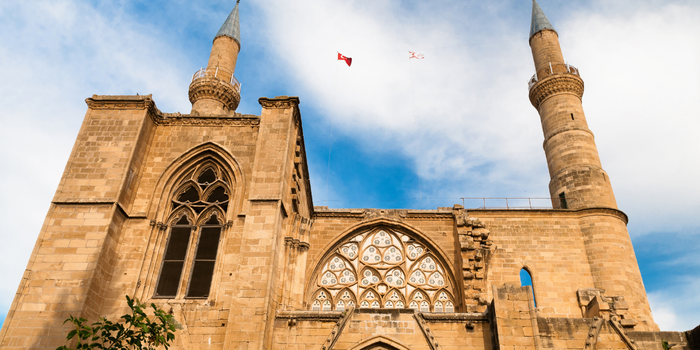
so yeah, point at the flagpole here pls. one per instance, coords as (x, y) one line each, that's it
(415, 121)
(330, 142)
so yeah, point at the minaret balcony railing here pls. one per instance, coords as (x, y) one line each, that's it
(220, 74)
(551, 69)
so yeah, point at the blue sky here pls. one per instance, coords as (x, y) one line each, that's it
(418, 134)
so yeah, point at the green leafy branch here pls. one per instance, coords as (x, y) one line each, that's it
(135, 332)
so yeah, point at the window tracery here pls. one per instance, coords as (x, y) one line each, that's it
(383, 269)
(198, 208)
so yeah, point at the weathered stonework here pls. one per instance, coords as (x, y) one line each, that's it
(288, 275)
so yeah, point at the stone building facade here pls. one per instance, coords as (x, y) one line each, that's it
(210, 216)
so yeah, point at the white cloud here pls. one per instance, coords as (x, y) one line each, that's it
(53, 54)
(677, 306)
(472, 116)
(642, 88)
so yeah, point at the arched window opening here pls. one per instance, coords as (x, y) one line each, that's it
(205, 257)
(526, 280)
(174, 258)
(386, 269)
(199, 204)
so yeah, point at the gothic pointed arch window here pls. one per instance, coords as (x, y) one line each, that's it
(197, 215)
(383, 269)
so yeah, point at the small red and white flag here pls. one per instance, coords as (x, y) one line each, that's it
(347, 60)
(415, 55)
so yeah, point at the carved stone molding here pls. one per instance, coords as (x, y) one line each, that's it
(456, 317)
(98, 102)
(176, 119)
(392, 214)
(296, 244)
(615, 322)
(423, 325)
(122, 102)
(556, 84)
(337, 329)
(310, 315)
(593, 333)
(215, 89)
(428, 214)
(324, 212)
(279, 102)
(320, 211)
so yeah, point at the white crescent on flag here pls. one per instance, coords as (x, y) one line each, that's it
(415, 55)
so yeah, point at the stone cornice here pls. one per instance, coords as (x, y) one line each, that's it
(339, 213)
(122, 102)
(456, 317)
(574, 212)
(98, 102)
(362, 214)
(554, 85)
(429, 214)
(233, 119)
(328, 316)
(279, 102)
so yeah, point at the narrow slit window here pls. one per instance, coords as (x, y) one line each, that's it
(526, 280)
(562, 201)
(572, 116)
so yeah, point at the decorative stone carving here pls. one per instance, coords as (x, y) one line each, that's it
(337, 329)
(215, 89)
(556, 84)
(279, 102)
(593, 333)
(615, 322)
(393, 214)
(426, 331)
(176, 119)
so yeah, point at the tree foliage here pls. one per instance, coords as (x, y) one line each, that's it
(135, 332)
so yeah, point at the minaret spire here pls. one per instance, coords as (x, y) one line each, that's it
(214, 90)
(539, 20)
(232, 26)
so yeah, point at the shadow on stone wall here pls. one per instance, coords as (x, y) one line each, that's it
(693, 338)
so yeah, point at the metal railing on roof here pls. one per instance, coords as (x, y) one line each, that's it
(515, 203)
(219, 73)
(551, 69)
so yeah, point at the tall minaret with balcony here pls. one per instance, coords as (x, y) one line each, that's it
(214, 90)
(578, 180)
(577, 177)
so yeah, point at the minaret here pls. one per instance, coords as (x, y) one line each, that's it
(214, 90)
(577, 177)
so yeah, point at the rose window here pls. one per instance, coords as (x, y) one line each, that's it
(383, 269)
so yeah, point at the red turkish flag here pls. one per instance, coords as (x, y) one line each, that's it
(347, 60)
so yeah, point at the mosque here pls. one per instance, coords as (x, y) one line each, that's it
(210, 216)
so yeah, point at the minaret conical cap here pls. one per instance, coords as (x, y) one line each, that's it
(232, 26)
(539, 20)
